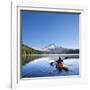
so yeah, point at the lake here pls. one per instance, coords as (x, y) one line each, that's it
(41, 67)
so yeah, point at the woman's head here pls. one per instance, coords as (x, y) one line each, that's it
(59, 58)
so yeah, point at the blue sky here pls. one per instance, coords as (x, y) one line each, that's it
(40, 29)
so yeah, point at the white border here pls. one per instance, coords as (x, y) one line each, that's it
(15, 63)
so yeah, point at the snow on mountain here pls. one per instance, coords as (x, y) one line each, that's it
(51, 48)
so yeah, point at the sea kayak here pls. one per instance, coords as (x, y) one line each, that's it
(61, 67)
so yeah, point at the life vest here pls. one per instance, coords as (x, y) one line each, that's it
(61, 65)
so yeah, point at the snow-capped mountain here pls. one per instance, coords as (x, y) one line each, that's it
(53, 48)
(50, 46)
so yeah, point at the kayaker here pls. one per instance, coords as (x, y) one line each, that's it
(60, 62)
(60, 65)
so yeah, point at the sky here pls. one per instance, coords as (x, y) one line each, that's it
(39, 29)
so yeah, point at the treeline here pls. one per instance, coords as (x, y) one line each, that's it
(25, 50)
(71, 51)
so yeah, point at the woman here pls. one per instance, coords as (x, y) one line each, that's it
(59, 62)
(60, 65)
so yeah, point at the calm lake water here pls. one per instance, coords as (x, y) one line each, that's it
(42, 68)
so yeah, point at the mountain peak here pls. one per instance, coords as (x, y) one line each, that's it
(51, 46)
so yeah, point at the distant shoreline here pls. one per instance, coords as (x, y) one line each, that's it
(53, 55)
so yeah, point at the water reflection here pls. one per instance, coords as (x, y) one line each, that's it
(26, 59)
(43, 67)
